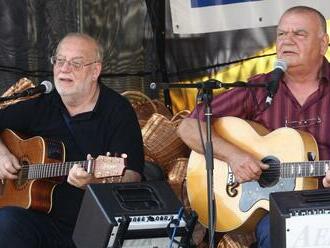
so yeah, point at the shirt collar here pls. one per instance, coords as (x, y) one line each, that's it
(325, 71)
(57, 101)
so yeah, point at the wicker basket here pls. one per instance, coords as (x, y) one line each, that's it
(142, 104)
(180, 115)
(162, 109)
(236, 240)
(145, 107)
(161, 143)
(177, 179)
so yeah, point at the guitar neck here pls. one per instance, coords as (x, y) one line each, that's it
(304, 169)
(39, 171)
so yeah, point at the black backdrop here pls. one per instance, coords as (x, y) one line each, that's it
(137, 35)
(31, 29)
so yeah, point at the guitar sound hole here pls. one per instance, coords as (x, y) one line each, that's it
(22, 174)
(271, 176)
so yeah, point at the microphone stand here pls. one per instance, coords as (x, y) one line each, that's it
(18, 95)
(8, 98)
(207, 96)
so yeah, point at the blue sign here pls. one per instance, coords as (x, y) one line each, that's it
(205, 3)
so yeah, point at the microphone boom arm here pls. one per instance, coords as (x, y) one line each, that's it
(210, 84)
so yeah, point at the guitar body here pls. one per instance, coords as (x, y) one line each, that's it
(240, 206)
(35, 194)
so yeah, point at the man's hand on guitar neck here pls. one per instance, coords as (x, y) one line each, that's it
(9, 164)
(244, 166)
(79, 177)
(326, 180)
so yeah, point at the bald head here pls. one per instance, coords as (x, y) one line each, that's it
(308, 10)
(97, 48)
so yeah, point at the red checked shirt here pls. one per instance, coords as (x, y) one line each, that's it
(249, 103)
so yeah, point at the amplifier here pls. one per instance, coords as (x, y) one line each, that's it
(128, 215)
(300, 219)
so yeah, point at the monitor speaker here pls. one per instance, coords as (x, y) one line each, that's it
(114, 214)
(300, 219)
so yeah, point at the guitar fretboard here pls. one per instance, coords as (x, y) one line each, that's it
(304, 169)
(39, 171)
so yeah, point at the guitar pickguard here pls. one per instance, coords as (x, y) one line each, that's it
(252, 192)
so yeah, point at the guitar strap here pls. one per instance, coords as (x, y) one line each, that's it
(68, 124)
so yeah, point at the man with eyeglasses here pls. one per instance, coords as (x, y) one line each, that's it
(90, 119)
(302, 100)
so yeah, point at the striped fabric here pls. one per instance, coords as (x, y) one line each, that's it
(249, 103)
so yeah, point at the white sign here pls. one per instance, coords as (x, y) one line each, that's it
(204, 16)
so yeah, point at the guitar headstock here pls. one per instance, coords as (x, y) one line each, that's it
(106, 166)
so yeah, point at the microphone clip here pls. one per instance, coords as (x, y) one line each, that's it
(270, 93)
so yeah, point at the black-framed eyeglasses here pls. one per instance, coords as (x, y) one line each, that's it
(75, 63)
(303, 123)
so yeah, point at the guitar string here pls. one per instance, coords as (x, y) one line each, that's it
(42, 170)
(276, 168)
(83, 163)
(286, 170)
(64, 164)
(296, 169)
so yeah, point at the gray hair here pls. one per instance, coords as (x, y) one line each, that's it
(306, 9)
(99, 49)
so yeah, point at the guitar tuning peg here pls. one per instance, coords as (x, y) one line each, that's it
(124, 155)
(108, 154)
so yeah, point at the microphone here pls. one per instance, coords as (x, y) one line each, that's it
(44, 87)
(153, 86)
(280, 67)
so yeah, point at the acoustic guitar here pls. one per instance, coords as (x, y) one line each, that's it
(42, 166)
(240, 206)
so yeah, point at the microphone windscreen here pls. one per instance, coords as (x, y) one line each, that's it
(281, 64)
(48, 85)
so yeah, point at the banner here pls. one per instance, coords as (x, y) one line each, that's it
(205, 16)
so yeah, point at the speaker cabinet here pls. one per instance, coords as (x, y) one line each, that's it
(113, 213)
